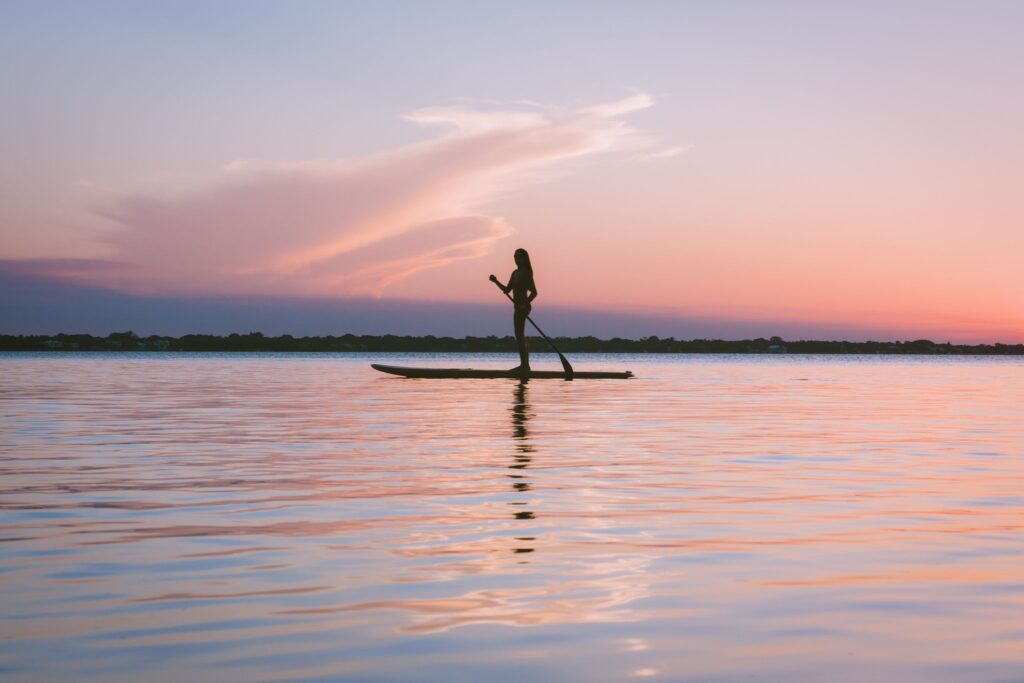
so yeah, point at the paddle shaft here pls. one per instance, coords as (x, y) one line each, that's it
(565, 363)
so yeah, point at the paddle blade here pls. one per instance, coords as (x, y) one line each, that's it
(566, 367)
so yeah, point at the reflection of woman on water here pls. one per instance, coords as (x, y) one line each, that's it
(524, 291)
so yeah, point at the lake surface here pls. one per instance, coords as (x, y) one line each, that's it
(265, 517)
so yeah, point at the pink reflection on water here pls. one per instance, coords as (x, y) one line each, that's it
(729, 514)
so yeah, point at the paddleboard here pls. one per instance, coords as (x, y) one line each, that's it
(453, 373)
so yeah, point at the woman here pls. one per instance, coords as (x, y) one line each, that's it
(524, 291)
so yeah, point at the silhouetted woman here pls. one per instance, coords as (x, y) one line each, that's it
(523, 291)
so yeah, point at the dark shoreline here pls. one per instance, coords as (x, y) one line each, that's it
(255, 341)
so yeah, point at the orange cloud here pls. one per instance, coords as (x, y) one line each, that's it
(353, 228)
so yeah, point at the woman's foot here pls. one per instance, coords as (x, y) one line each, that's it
(520, 370)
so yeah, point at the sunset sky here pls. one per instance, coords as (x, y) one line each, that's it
(689, 168)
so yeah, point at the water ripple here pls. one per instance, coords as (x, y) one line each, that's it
(301, 517)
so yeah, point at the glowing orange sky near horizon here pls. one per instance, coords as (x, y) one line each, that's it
(889, 249)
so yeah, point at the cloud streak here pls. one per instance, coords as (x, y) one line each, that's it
(352, 228)
(666, 153)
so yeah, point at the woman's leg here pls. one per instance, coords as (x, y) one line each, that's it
(524, 351)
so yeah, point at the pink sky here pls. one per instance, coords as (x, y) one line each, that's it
(785, 181)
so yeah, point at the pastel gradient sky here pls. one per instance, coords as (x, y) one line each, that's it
(806, 168)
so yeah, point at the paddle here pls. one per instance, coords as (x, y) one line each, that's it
(565, 362)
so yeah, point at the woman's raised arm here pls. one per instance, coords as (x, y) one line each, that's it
(505, 288)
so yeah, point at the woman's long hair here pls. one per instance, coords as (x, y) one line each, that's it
(525, 262)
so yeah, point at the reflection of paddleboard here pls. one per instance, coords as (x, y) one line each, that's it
(453, 373)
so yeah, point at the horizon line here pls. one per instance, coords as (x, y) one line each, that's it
(257, 334)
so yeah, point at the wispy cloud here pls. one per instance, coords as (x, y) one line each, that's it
(666, 153)
(635, 102)
(353, 227)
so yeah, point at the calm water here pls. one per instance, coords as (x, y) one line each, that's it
(261, 517)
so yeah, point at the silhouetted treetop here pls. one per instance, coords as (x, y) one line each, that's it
(347, 343)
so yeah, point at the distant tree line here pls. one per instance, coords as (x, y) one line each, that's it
(255, 341)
